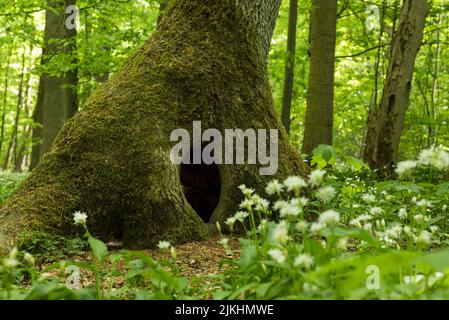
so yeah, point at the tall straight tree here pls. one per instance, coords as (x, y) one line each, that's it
(320, 101)
(289, 65)
(386, 122)
(57, 99)
(208, 61)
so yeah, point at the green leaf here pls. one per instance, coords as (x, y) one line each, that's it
(99, 249)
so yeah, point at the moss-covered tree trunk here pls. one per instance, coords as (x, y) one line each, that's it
(385, 123)
(207, 61)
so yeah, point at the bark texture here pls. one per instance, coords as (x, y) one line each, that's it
(320, 102)
(385, 123)
(207, 61)
(289, 65)
(57, 97)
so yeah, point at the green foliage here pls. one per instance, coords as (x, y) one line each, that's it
(323, 156)
(50, 248)
(9, 182)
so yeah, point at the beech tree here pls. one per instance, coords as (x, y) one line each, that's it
(385, 123)
(57, 99)
(207, 61)
(318, 126)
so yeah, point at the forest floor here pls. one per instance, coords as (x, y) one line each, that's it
(195, 261)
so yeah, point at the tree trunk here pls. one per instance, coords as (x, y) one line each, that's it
(207, 61)
(320, 102)
(5, 99)
(289, 65)
(12, 146)
(59, 100)
(385, 123)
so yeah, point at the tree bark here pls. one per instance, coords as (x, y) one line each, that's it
(289, 65)
(59, 100)
(320, 102)
(207, 61)
(385, 123)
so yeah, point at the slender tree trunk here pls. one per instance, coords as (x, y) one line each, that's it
(112, 159)
(13, 140)
(382, 143)
(71, 77)
(320, 102)
(19, 155)
(5, 99)
(434, 96)
(36, 134)
(289, 65)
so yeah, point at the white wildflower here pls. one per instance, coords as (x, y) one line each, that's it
(280, 234)
(355, 223)
(273, 187)
(241, 215)
(230, 221)
(424, 238)
(316, 177)
(247, 204)
(246, 191)
(434, 229)
(316, 227)
(295, 183)
(418, 218)
(326, 194)
(10, 263)
(277, 255)
(342, 244)
(304, 261)
(369, 198)
(329, 218)
(163, 245)
(302, 226)
(29, 259)
(290, 210)
(303, 201)
(376, 211)
(402, 213)
(80, 218)
(424, 204)
(404, 167)
(413, 279)
(278, 205)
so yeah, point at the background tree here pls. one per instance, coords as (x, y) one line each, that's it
(320, 102)
(385, 125)
(289, 65)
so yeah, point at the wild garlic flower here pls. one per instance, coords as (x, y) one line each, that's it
(326, 194)
(329, 218)
(277, 255)
(163, 245)
(376, 211)
(369, 198)
(274, 187)
(404, 167)
(80, 218)
(280, 234)
(316, 177)
(402, 213)
(304, 260)
(295, 183)
(246, 191)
